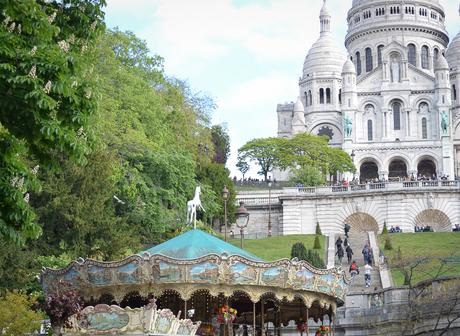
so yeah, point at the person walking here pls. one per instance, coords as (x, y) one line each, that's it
(347, 229)
(345, 243)
(367, 275)
(349, 254)
(365, 253)
(353, 269)
(338, 242)
(339, 253)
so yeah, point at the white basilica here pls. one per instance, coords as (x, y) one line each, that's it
(393, 104)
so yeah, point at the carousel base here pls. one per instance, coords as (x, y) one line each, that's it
(113, 320)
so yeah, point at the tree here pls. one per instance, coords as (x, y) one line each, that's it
(221, 142)
(308, 176)
(47, 97)
(299, 251)
(17, 316)
(242, 166)
(263, 151)
(388, 246)
(318, 229)
(317, 243)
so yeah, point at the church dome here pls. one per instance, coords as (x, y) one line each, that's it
(453, 52)
(362, 2)
(324, 56)
(441, 63)
(348, 67)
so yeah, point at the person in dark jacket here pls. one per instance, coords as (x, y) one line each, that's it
(345, 243)
(349, 254)
(338, 242)
(340, 253)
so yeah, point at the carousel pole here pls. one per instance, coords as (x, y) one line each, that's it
(185, 309)
(262, 322)
(254, 319)
(307, 321)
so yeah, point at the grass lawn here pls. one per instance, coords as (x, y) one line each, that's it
(435, 246)
(279, 247)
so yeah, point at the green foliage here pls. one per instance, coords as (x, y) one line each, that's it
(388, 246)
(318, 230)
(263, 151)
(306, 154)
(17, 316)
(242, 166)
(385, 229)
(317, 243)
(47, 97)
(308, 176)
(299, 251)
(221, 142)
(315, 260)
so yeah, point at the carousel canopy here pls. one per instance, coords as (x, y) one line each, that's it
(195, 244)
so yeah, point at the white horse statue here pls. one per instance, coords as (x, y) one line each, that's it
(193, 206)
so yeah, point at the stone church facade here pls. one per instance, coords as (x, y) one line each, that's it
(393, 103)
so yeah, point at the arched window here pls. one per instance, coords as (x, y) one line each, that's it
(379, 54)
(369, 64)
(310, 98)
(424, 130)
(424, 56)
(321, 96)
(328, 96)
(454, 92)
(435, 56)
(411, 57)
(397, 116)
(340, 96)
(358, 63)
(369, 130)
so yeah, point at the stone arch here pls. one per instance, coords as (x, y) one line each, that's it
(368, 171)
(336, 131)
(423, 99)
(362, 222)
(398, 156)
(434, 218)
(422, 163)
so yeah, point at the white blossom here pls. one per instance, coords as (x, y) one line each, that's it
(51, 17)
(88, 94)
(12, 27)
(20, 183)
(71, 39)
(80, 132)
(27, 197)
(64, 45)
(33, 51)
(19, 29)
(84, 48)
(35, 170)
(47, 87)
(33, 72)
(14, 181)
(93, 25)
(74, 84)
(7, 20)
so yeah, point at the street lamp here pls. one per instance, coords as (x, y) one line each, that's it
(242, 220)
(270, 209)
(225, 194)
(353, 155)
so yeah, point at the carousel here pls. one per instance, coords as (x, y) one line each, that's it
(199, 284)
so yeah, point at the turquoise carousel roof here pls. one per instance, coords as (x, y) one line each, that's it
(195, 244)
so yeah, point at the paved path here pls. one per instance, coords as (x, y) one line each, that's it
(357, 241)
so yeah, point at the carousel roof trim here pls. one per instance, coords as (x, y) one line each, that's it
(195, 244)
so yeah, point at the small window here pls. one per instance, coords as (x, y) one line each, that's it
(310, 98)
(435, 56)
(379, 54)
(411, 56)
(328, 96)
(340, 96)
(358, 63)
(321, 96)
(454, 92)
(424, 129)
(369, 130)
(369, 64)
(424, 57)
(396, 116)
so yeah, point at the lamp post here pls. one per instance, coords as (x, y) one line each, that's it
(225, 194)
(270, 209)
(242, 220)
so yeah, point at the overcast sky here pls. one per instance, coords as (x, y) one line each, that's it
(246, 54)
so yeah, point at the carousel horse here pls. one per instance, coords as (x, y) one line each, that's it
(193, 205)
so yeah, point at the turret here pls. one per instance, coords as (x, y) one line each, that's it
(298, 120)
(349, 99)
(442, 82)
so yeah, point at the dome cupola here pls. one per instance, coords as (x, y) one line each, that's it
(453, 51)
(348, 67)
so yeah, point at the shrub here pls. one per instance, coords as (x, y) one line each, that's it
(315, 260)
(299, 251)
(318, 229)
(388, 245)
(385, 229)
(317, 243)
(16, 314)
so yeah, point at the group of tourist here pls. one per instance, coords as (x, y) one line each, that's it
(425, 228)
(396, 229)
(342, 250)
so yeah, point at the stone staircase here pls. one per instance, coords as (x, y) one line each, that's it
(357, 240)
